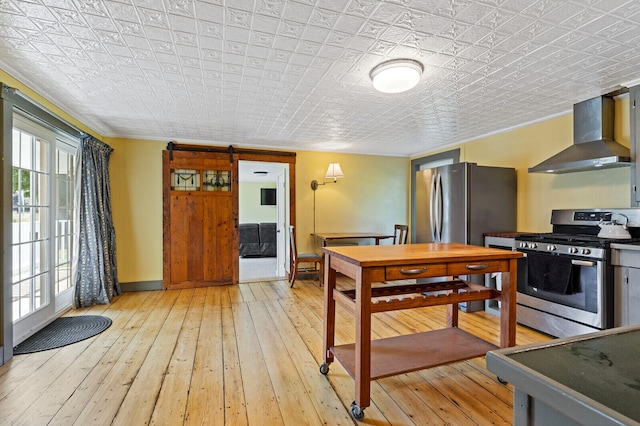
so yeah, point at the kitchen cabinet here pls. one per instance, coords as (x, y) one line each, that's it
(634, 107)
(504, 241)
(626, 272)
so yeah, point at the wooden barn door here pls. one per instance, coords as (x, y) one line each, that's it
(200, 238)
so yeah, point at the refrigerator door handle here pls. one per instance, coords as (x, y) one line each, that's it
(439, 221)
(432, 207)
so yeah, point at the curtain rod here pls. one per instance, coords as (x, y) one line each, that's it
(34, 109)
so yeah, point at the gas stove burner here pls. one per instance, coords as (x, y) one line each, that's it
(572, 239)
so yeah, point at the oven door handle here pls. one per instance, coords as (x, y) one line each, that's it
(582, 262)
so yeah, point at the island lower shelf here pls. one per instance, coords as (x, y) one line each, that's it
(396, 297)
(403, 354)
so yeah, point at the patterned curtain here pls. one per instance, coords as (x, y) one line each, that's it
(96, 279)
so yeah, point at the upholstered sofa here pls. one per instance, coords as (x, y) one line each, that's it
(258, 239)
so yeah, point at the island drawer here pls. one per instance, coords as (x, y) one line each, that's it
(481, 267)
(406, 272)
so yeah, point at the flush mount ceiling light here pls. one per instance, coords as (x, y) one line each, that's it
(396, 75)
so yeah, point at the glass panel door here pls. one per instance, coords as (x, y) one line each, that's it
(31, 210)
(42, 228)
(65, 163)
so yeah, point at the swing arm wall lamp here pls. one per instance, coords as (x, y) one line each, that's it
(334, 171)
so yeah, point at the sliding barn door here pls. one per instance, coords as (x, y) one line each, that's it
(200, 223)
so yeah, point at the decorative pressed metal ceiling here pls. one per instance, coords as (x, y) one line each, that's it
(295, 74)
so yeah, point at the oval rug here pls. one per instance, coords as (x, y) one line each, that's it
(63, 331)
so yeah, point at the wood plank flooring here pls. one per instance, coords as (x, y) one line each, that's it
(242, 355)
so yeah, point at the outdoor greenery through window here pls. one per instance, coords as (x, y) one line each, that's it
(43, 202)
(30, 223)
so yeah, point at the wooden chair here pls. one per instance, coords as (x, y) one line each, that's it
(400, 234)
(297, 258)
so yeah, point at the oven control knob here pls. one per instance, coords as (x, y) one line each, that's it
(573, 250)
(532, 245)
(586, 251)
(522, 244)
(552, 247)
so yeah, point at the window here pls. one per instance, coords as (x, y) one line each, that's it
(30, 223)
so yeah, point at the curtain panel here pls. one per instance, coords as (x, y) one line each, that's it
(95, 278)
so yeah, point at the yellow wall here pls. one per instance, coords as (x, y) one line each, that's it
(539, 193)
(372, 196)
(135, 169)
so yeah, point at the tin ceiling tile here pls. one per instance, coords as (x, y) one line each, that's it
(295, 73)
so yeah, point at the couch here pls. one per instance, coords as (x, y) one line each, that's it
(258, 240)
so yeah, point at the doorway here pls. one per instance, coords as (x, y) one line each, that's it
(201, 223)
(263, 220)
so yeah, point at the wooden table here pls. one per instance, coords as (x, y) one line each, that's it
(367, 360)
(326, 237)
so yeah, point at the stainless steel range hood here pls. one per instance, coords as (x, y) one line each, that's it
(593, 145)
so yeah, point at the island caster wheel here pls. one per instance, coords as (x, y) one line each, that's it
(356, 411)
(324, 368)
(503, 381)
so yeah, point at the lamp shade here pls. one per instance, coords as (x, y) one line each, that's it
(396, 75)
(334, 171)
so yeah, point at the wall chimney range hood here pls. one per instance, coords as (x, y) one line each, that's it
(593, 145)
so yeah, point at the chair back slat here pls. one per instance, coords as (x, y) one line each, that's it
(400, 233)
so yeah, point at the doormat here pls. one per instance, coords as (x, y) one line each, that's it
(63, 331)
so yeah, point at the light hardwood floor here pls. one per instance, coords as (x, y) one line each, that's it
(238, 355)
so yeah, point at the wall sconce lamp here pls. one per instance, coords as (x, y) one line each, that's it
(334, 171)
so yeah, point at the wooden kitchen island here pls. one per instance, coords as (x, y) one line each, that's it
(367, 360)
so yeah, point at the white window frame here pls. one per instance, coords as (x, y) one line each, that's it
(59, 303)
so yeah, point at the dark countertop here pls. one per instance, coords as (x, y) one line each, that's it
(593, 376)
(504, 234)
(625, 246)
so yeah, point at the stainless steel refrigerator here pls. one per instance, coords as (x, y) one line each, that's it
(460, 202)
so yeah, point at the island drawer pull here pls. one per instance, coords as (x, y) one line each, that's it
(413, 271)
(478, 267)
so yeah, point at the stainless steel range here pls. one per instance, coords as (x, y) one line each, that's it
(565, 283)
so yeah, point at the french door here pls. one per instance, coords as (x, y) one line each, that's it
(42, 228)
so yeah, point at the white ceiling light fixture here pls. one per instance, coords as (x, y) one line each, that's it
(396, 75)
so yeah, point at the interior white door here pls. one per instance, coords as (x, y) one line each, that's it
(282, 226)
